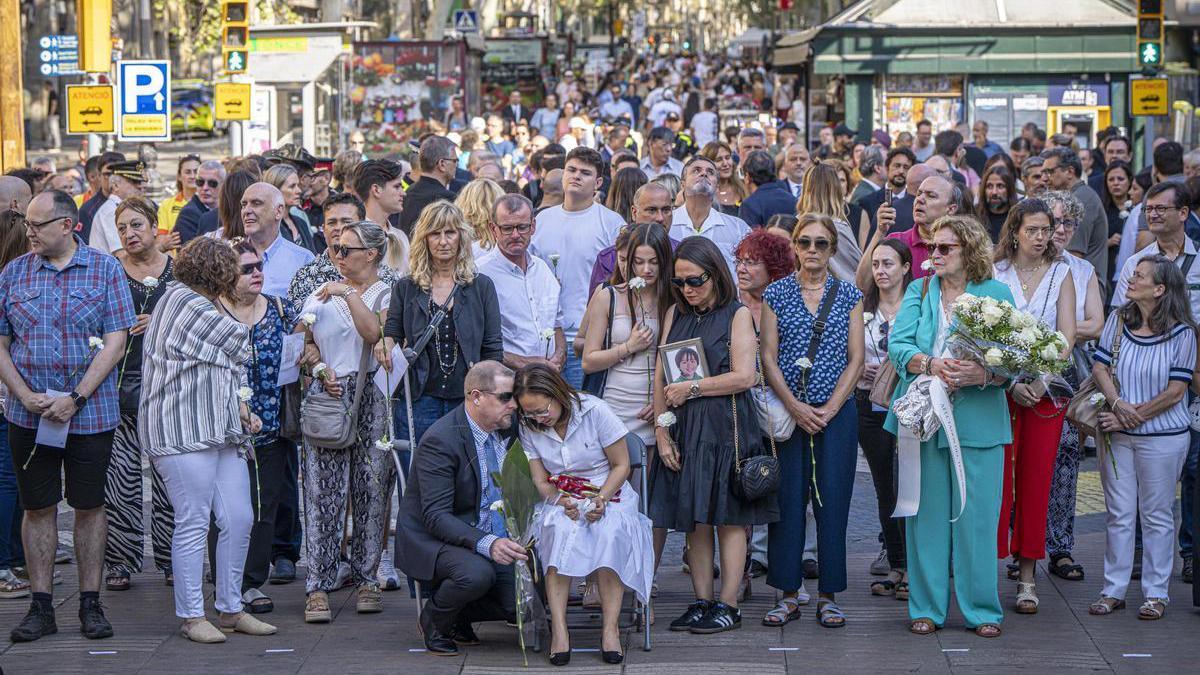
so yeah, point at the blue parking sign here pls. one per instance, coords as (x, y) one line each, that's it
(144, 100)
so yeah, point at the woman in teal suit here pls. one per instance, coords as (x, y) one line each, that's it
(961, 257)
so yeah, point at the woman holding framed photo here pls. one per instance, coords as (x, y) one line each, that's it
(702, 428)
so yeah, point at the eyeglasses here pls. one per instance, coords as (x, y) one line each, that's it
(745, 262)
(343, 251)
(501, 396)
(1069, 223)
(1159, 210)
(806, 243)
(210, 182)
(38, 226)
(1038, 232)
(694, 282)
(944, 249)
(537, 414)
(522, 228)
(251, 268)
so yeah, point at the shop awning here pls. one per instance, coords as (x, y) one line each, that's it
(290, 67)
(792, 50)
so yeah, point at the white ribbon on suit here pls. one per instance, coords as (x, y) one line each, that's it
(927, 391)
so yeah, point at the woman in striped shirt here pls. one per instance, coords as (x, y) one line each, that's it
(1143, 367)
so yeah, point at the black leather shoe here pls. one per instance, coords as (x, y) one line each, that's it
(464, 635)
(92, 622)
(35, 624)
(756, 569)
(560, 659)
(284, 572)
(694, 613)
(810, 569)
(437, 643)
(612, 657)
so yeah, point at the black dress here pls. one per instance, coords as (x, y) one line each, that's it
(701, 491)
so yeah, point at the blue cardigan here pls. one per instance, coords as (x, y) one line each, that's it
(980, 414)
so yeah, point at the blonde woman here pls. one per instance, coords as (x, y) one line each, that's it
(824, 194)
(295, 226)
(442, 277)
(475, 201)
(731, 190)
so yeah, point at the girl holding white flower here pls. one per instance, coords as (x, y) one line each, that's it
(1152, 339)
(962, 263)
(815, 372)
(1042, 283)
(148, 271)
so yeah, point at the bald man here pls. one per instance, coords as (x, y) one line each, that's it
(552, 190)
(651, 204)
(14, 194)
(936, 197)
(262, 211)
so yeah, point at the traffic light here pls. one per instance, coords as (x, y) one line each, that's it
(785, 5)
(235, 35)
(1150, 33)
(94, 19)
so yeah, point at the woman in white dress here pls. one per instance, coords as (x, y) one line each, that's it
(590, 520)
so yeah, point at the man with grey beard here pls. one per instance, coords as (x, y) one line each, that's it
(697, 217)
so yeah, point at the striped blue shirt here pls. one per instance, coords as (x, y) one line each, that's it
(484, 547)
(1145, 366)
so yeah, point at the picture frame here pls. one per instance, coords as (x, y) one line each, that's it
(684, 361)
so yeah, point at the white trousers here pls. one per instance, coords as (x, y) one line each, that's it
(1148, 468)
(202, 485)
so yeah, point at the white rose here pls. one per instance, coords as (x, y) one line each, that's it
(1097, 399)
(1061, 340)
(1024, 320)
(547, 333)
(1026, 336)
(497, 506)
(308, 318)
(665, 420)
(803, 363)
(927, 265)
(95, 343)
(245, 394)
(383, 445)
(320, 369)
(994, 357)
(1049, 353)
(150, 282)
(868, 317)
(991, 315)
(637, 283)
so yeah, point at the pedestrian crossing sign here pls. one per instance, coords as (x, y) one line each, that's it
(235, 61)
(466, 21)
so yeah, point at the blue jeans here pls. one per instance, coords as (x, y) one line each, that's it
(1188, 482)
(12, 552)
(573, 369)
(426, 411)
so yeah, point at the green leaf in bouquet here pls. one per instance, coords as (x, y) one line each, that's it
(516, 485)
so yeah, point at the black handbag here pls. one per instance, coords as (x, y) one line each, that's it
(593, 383)
(129, 392)
(755, 477)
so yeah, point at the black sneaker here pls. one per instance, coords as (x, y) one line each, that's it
(35, 624)
(756, 569)
(1187, 570)
(92, 623)
(694, 613)
(810, 569)
(720, 618)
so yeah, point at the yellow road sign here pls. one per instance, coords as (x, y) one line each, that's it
(1149, 96)
(90, 109)
(231, 100)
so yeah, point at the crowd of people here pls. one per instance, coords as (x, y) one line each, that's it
(584, 284)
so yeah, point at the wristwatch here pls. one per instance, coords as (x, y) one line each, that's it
(79, 399)
(694, 390)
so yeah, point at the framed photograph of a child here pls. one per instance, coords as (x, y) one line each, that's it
(684, 361)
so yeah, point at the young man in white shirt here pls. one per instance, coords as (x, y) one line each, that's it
(697, 217)
(525, 287)
(569, 237)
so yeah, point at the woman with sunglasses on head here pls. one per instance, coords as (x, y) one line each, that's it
(814, 371)
(711, 423)
(1027, 260)
(944, 527)
(148, 271)
(1144, 365)
(577, 438)
(1089, 322)
(442, 278)
(349, 315)
(269, 320)
(891, 273)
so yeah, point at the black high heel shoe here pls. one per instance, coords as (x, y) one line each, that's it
(612, 657)
(561, 658)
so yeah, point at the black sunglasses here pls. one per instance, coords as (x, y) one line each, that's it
(343, 251)
(807, 243)
(210, 182)
(944, 249)
(501, 396)
(694, 282)
(251, 268)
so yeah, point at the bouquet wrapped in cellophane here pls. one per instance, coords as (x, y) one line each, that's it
(1006, 341)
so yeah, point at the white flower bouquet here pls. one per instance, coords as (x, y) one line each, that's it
(1005, 340)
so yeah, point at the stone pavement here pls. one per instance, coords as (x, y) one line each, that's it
(1061, 637)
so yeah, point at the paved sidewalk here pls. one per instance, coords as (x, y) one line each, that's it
(1061, 637)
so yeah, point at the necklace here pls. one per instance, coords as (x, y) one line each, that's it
(445, 365)
(1022, 271)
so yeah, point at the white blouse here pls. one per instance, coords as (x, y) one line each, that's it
(334, 330)
(593, 427)
(1043, 305)
(1081, 273)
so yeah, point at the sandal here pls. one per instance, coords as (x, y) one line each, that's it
(1105, 605)
(788, 609)
(1152, 609)
(902, 591)
(829, 615)
(987, 630)
(883, 587)
(117, 581)
(1071, 571)
(1027, 598)
(256, 602)
(923, 627)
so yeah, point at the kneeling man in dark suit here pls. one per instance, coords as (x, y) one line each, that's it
(446, 533)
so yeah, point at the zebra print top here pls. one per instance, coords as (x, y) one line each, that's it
(193, 363)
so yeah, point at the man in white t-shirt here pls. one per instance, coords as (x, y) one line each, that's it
(569, 237)
(704, 123)
(697, 217)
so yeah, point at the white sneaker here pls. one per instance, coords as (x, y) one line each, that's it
(802, 595)
(343, 575)
(387, 577)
